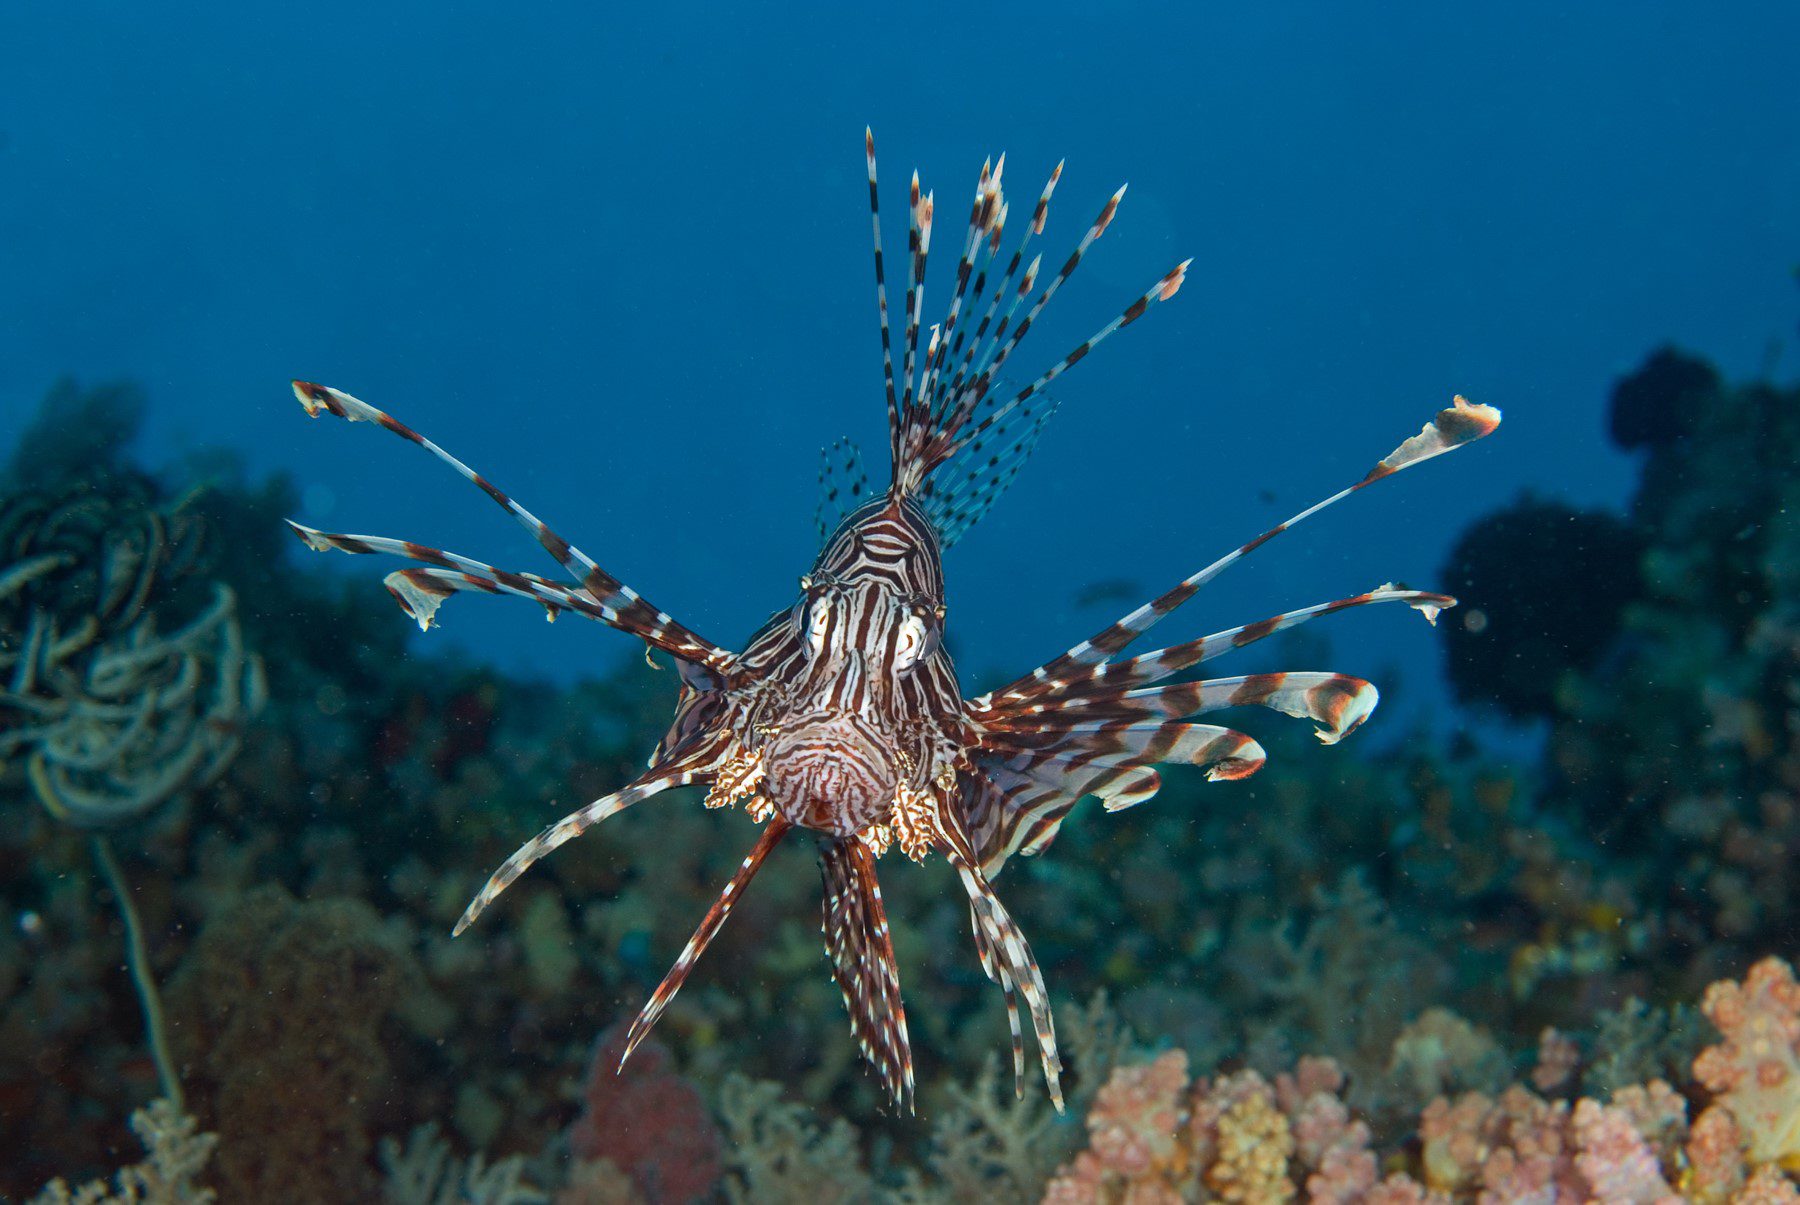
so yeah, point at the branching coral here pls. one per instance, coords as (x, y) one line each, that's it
(423, 1172)
(176, 1156)
(775, 1152)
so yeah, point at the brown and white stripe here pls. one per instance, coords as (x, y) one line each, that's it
(844, 714)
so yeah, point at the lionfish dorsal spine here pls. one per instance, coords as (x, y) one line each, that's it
(929, 422)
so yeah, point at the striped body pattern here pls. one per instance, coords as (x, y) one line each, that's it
(843, 714)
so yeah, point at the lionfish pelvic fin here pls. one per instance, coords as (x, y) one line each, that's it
(715, 917)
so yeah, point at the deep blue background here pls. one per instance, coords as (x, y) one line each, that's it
(618, 260)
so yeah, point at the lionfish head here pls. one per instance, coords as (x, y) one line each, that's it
(833, 761)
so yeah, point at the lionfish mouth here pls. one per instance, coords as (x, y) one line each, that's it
(833, 771)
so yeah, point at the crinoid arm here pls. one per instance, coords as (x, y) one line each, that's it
(613, 602)
(660, 999)
(862, 961)
(695, 763)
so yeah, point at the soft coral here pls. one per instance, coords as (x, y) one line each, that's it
(1755, 1071)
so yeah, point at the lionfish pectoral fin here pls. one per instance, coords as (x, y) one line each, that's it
(420, 592)
(618, 604)
(1462, 422)
(695, 762)
(1078, 680)
(994, 971)
(1011, 959)
(660, 999)
(1005, 954)
(862, 962)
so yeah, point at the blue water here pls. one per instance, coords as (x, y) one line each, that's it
(618, 260)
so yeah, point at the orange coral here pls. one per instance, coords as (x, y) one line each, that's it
(1254, 1145)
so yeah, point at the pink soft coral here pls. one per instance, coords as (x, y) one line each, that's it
(1753, 1071)
(1615, 1160)
(1153, 1138)
(1132, 1141)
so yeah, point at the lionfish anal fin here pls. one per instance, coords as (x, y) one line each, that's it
(862, 961)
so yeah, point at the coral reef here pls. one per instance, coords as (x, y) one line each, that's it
(108, 715)
(1414, 971)
(1674, 761)
(423, 1172)
(1658, 404)
(1154, 1136)
(1755, 1071)
(1542, 586)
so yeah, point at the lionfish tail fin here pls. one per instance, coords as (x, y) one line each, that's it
(944, 397)
(862, 962)
(664, 994)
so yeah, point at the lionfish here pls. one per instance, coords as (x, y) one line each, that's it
(843, 714)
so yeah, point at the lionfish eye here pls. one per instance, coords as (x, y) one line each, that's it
(917, 640)
(818, 621)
